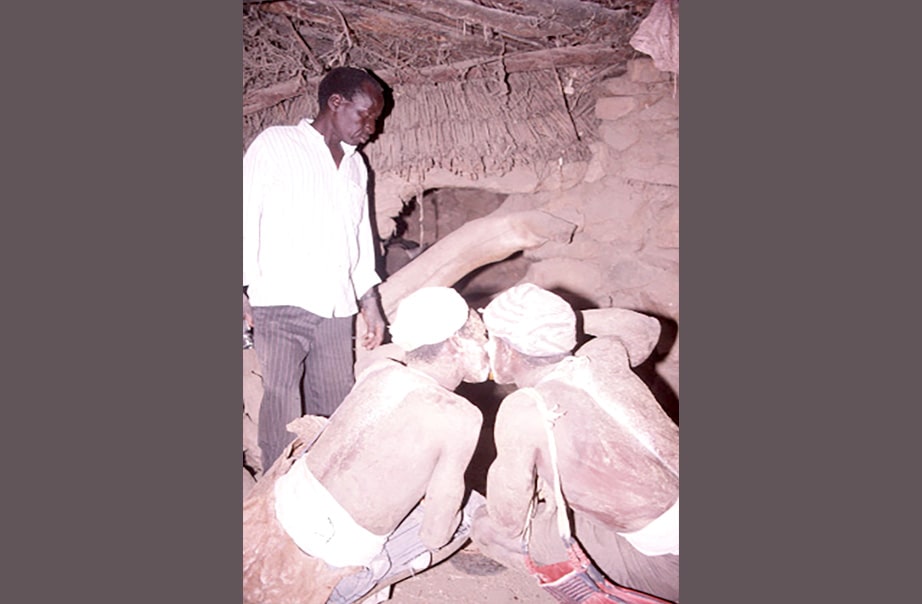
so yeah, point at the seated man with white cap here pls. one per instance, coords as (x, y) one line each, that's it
(599, 442)
(378, 493)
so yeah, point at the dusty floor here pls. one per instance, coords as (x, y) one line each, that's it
(469, 577)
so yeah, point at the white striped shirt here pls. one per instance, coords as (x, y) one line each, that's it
(307, 237)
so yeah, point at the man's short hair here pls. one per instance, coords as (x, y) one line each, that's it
(344, 81)
(426, 353)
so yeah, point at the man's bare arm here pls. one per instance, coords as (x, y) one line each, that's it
(511, 477)
(446, 486)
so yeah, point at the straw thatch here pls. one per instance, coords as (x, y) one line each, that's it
(478, 86)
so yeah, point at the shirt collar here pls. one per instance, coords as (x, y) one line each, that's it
(305, 125)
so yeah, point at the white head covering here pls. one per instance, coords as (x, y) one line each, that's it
(533, 320)
(428, 316)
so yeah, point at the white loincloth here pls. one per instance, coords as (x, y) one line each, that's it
(659, 537)
(318, 524)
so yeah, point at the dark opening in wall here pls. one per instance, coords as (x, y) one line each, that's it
(431, 217)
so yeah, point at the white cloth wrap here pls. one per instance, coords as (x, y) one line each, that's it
(659, 537)
(318, 524)
(534, 321)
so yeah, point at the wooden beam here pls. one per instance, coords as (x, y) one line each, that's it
(373, 28)
(257, 100)
(552, 17)
(524, 26)
(364, 18)
(315, 63)
(567, 56)
(577, 14)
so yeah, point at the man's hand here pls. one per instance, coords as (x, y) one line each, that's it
(247, 311)
(374, 320)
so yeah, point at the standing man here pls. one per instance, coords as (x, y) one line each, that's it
(602, 446)
(309, 254)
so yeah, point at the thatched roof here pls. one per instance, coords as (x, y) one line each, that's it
(478, 85)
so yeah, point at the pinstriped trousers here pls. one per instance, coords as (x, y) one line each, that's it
(307, 363)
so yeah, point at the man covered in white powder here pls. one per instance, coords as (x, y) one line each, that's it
(378, 493)
(587, 424)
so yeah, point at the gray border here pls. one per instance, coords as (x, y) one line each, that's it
(792, 293)
(121, 312)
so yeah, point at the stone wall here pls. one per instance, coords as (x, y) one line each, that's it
(625, 252)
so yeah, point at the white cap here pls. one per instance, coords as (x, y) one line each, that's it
(533, 320)
(428, 316)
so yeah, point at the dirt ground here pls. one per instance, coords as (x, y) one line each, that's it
(469, 577)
